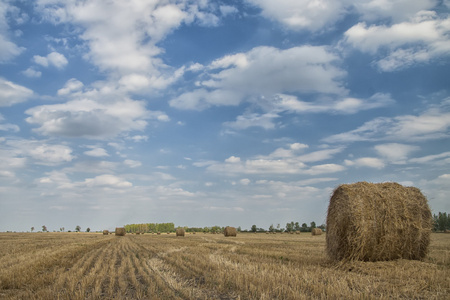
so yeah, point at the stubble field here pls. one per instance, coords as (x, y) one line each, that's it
(206, 266)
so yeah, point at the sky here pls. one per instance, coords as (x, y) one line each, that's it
(226, 112)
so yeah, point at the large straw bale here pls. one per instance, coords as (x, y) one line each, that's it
(105, 232)
(316, 231)
(180, 232)
(377, 222)
(120, 231)
(230, 231)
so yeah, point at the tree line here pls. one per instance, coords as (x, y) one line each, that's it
(441, 221)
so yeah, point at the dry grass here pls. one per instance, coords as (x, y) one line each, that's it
(93, 266)
(378, 222)
(120, 231)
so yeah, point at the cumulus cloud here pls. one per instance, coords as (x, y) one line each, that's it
(419, 40)
(54, 59)
(310, 15)
(89, 118)
(106, 180)
(395, 152)
(122, 41)
(96, 152)
(8, 49)
(432, 124)
(265, 71)
(287, 160)
(41, 152)
(370, 162)
(72, 85)
(11, 93)
(32, 73)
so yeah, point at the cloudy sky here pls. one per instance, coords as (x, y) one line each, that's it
(217, 112)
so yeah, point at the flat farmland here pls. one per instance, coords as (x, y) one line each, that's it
(207, 266)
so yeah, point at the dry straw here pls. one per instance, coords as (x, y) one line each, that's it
(316, 231)
(377, 222)
(120, 231)
(180, 232)
(230, 231)
(105, 232)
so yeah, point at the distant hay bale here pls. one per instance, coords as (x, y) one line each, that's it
(180, 232)
(377, 222)
(230, 231)
(446, 231)
(159, 233)
(120, 231)
(316, 231)
(105, 232)
(297, 232)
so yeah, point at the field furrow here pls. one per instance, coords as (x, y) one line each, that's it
(92, 266)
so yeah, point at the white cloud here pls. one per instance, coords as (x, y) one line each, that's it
(245, 181)
(265, 71)
(122, 40)
(311, 15)
(371, 162)
(11, 93)
(89, 118)
(431, 158)
(418, 40)
(132, 163)
(8, 49)
(397, 10)
(72, 85)
(346, 105)
(106, 180)
(54, 59)
(96, 152)
(395, 152)
(32, 73)
(228, 10)
(40, 151)
(253, 120)
(288, 160)
(432, 124)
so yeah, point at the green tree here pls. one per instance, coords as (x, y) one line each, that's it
(88, 229)
(32, 229)
(289, 226)
(78, 228)
(304, 227)
(296, 226)
(254, 228)
(44, 228)
(313, 224)
(271, 229)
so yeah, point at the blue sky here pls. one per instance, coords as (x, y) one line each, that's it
(222, 113)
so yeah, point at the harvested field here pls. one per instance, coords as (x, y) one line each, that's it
(249, 266)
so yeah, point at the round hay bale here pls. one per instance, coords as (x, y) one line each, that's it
(120, 231)
(377, 222)
(316, 231)
(159, 233)
(180, 232)
(297, 232)
(105, 232)
(230, 231)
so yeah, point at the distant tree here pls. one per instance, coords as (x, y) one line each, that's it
(441, 221)
(88, 229)
(32, 229)
(304, 227)
(289, 226)
(44, 228)
(296, 226)
(278, 227)
(61, 229)
(254, 228)
(239, 229)
(313, 224)
(271, 229)
(78, 228)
